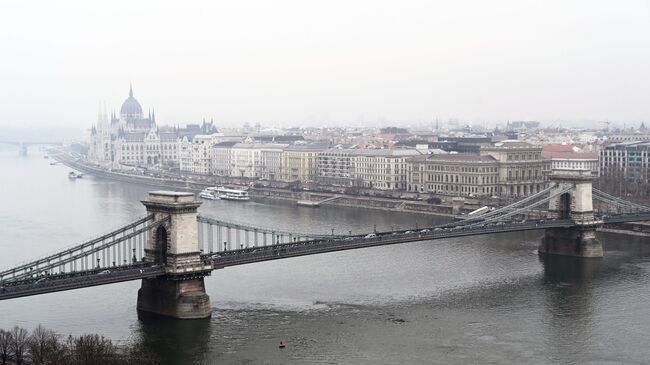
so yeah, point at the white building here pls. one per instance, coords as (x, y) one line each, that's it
(384, 169)
(131, 139)
(574, 160)
(271, 166)
(334, 166)
(197, 154)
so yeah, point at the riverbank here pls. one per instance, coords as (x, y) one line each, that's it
(261, 193)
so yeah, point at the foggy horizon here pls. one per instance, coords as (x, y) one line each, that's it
(336, 64)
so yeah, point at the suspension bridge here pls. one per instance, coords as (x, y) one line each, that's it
(24, 145)
(172, 248)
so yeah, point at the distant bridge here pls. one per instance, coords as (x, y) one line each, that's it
(23, 145)
(173, 248)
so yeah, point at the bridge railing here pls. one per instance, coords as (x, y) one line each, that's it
(507, 209)
(78, 279)
(262, 253)
(120, 247)
(216, 235)
(621, 205)
(522, 210)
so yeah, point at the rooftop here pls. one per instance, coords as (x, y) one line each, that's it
(571, 155)
(456, 157)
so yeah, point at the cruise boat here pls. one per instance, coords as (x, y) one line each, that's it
(74, 175)
(232, 194)
(209, 193)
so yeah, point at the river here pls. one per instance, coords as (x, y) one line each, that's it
(486, 299)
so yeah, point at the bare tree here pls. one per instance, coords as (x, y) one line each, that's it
(44, 347)
(93, 349)
(5, 346)
(19, 340)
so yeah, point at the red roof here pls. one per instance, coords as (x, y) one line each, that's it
(571, 155)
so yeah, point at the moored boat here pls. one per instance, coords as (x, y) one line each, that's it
(231, 194)
(209, 194)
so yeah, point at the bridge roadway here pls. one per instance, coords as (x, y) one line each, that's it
(81, 279)
(285, 250)
(78, 279)
(279, 251)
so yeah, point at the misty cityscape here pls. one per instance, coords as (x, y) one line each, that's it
(342, 182)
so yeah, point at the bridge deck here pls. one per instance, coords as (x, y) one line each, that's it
(294, 249)
(80, 279)
(77, 280)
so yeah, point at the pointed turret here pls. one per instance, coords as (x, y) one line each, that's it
(153, 114)
(130, 90)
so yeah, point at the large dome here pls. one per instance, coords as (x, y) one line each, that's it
(131, 109)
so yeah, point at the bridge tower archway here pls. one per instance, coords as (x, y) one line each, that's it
(174, 244)
(572, 199)
(564, 208)
(577, 202)
(162, 244)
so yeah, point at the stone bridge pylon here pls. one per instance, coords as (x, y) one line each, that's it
(575, 204)
(174, 244)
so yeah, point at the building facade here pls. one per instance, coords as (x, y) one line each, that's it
(257, 160)
(383, 169)
(300, 162)
(335, 167)
(574, 160)
(628, 160)
(197, 154)
(453, 174)
(522, 170)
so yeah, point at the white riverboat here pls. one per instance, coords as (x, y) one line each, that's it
(209, 193)
(232, 194)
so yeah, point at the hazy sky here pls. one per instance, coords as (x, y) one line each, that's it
(342, 62)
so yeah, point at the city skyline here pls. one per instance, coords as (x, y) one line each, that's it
(293, 64)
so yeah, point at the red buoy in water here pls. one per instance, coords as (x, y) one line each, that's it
(282, 345)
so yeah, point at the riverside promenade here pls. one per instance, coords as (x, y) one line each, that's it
(195, 183)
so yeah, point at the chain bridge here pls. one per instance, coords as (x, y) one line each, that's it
(172, 248)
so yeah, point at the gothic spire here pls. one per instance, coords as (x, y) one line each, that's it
(130, 90)
(153, 114)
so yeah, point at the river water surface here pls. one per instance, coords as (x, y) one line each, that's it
(487, 299)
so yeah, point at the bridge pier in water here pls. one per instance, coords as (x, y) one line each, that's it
(180, 293)
(575, 204)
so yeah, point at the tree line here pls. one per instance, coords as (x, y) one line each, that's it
(42, 346)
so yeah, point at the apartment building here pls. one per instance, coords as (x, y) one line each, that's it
(461, 174)
(627, 160)
(256, 160)
(300, 162)
(334, 166)
(196, 155)
(383, 169)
